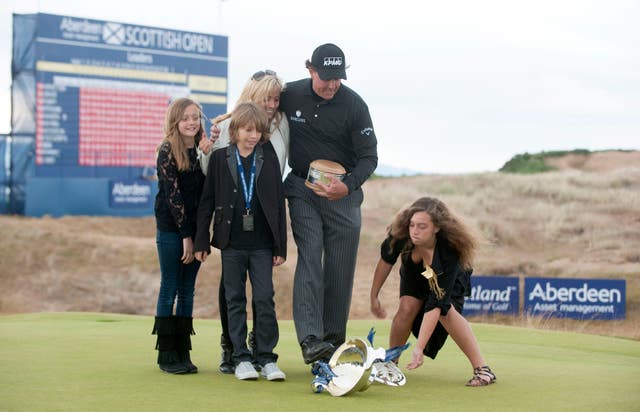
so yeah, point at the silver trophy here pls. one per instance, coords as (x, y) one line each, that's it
(355, 365)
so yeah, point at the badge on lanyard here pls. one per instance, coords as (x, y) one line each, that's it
(247, 221)
(247, 190)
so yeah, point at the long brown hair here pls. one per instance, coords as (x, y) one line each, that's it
(172, 133)
(453, 230)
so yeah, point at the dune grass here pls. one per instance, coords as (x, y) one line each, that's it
(95, 362)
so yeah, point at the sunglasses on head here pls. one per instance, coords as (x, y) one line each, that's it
(259, 75)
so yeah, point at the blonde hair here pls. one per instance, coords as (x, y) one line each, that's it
(248, 114)
(172, 133)
(453, 230)
(258, 91)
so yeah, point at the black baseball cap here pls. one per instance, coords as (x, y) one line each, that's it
(328, 60)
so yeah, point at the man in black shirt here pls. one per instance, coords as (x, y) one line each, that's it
(327, 121)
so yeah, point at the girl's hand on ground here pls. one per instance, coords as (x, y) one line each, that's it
(417, 359)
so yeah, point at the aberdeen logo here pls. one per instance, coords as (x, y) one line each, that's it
(332, 61)
(575, 298)
(130, 193)
(113, 33)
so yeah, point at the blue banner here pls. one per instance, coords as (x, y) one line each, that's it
(575, 298)
(493, 295)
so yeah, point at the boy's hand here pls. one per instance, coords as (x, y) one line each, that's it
(278, 260)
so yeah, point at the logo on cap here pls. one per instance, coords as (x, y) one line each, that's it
(332, 61)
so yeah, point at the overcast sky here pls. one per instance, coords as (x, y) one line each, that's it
(452, 86)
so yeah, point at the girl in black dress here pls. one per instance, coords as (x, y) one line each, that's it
(436, 250)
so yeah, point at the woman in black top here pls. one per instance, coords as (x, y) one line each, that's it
(180, 181)
(436, 250)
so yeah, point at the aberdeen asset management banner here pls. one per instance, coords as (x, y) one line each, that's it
(575, 298)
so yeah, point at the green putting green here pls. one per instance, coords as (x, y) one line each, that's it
(95, 362)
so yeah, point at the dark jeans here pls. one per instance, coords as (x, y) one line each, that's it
(259, 264)
(222, 308)
(177, 280)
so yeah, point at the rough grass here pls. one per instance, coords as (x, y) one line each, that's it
(106, 362)
(568, 223)
(575, 159)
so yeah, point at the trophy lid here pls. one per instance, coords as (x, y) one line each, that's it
(328, 166)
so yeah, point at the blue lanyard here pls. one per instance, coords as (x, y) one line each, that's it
(248, 192)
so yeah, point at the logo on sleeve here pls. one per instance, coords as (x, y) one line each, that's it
(367, 131)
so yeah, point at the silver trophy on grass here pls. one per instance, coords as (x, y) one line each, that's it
(355, 365)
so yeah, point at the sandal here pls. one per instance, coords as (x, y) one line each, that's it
(482, 376)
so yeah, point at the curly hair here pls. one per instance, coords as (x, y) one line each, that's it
(452, 229)
(172, 134)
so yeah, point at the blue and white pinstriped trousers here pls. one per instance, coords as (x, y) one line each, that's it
(327, 234)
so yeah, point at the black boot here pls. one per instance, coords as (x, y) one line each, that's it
(226, 363)
(184, 330)
(168, 359)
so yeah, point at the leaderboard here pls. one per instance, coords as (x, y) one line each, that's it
(102, 90)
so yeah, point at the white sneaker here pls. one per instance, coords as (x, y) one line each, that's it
(272, 372)
(388, 373)
(246, 371)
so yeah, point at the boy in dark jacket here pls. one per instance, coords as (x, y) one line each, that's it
(244, 188)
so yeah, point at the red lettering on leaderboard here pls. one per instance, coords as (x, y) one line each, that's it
(119, 127)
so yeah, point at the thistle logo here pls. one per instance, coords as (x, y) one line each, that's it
(113, 33)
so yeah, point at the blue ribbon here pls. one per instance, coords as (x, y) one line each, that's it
(392, 353)
(323, 375)
(395, 352)
(248, 192)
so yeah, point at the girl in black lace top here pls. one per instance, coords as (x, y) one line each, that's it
(180, 181)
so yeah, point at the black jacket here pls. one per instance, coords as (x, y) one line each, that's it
(220, 192)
